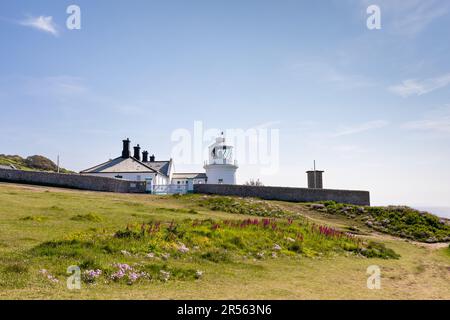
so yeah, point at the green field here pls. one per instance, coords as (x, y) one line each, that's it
(202, 247)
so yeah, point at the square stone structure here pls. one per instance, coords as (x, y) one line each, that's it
(315, 179)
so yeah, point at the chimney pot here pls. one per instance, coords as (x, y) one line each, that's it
(144, 156)
(152, 158)
(126, 148)
(137, 152)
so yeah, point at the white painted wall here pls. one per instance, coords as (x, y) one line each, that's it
(189, 182)
(157, 178)
(226, 172)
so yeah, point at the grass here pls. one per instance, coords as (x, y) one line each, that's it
(247, 206)
(229, 254)
(92, 217)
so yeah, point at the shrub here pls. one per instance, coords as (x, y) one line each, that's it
(378, 250)
(87, 217)
(216, 256)
(34, 218)
(16, 267)
(295, 247)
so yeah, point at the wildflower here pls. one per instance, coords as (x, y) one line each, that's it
(198, 274)
(276, 247)
(91, 275)
(118, 275)
(290, 239)
(48, 275)
(133, 276)
(165, 256)
(274, 255)
(150, 255)
(125, 253)
(182, 248)
(123, 266)
(260, 255)
(52, 278)
(165, 275)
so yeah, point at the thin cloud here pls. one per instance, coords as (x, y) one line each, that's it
(41, 23)
(56, 86)
(435, 122)
(366, 126)
(432, 125)
(323, 72)
(420, 87)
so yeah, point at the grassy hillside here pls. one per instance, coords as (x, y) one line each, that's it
(399, 221)
(194, 247)
(36, 162)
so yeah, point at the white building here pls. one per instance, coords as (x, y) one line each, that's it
(132, 168)
(221, 168)
(160, 175)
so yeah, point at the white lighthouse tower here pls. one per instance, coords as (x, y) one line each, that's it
(221, 168)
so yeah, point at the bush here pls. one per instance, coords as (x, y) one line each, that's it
(378, 250)
(17, 267)
(34, 218)
(216, 256)
(41, 163)
(87, 217)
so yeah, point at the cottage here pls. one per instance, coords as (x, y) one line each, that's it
(160, 176)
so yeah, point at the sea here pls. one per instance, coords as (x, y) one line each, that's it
(443, 212)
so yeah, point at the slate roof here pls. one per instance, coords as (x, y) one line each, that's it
(189, 176)
(122, 165)
(161, 166)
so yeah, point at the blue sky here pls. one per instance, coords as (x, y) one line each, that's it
(371, 106)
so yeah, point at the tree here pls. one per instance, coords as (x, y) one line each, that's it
(253, 182)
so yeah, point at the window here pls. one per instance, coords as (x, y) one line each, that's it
(220, 181)
(178, 182)
(138, 178)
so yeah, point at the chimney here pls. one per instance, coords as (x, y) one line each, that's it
(126, 148)
(144, 156)
(137, 152)
(152, 158)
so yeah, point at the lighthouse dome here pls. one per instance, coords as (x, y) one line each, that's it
(221, 168)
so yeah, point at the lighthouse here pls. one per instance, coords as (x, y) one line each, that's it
(221, 167)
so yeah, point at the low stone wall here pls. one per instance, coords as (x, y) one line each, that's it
(73, 181)
(286, 194)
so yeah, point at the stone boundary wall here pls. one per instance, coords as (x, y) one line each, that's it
(73, 181)
(286, 194)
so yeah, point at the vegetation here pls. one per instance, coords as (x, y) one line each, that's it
(113, 257)
(399, 221)
(173, 247)
(38, 163)
(246, 206)
(253, 182)
(87, 217)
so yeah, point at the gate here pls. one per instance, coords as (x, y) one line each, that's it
(169, 189)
